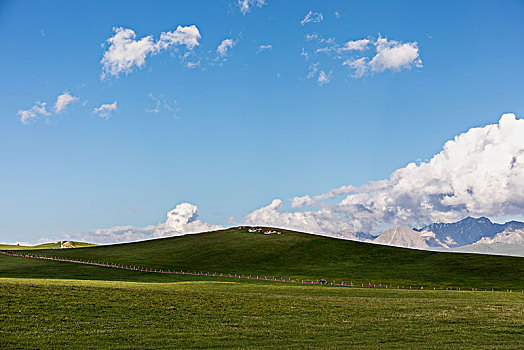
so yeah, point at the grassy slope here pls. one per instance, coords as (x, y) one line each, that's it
(101, 314)
(300, 255)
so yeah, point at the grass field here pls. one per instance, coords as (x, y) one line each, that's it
(49, 305)
(196, 314)
(304, 256)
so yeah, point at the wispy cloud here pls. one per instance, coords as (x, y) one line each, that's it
(261, 48)
(363, 56)
(28, 116)
(323, 78)
(136, 209)
(312, 17)
(245, 6)
(161, 104)
(105, 110)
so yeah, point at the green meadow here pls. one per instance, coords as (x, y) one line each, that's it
(49, 305)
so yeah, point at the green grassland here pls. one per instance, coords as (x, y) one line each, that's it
(73, 314)
(310, 257)
(60, 305)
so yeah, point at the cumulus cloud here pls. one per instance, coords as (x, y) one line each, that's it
(320, 221)
(478, 173)
(187, 36)
(395, 56)
(297, 202)
(245, 6)
(264, 48)
(63, 101)
(364, 56)
(224, 46)
(312, 17)
(28, 116)
(105, 110)
(126, 53)
(355, 45)
(183, 219)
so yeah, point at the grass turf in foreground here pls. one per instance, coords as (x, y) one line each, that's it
(103, 314)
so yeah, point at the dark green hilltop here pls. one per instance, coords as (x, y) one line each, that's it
(286, 254)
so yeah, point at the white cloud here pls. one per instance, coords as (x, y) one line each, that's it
(313, 69)
(63, 101)
(323, 78)
(105, 110)
(125, 52)
(161, 105)
(187, 36)
(478, 173)
(224, 46)
(264, 48)
(359, 66)
(246, 5)
(181, 220)
(310, 37)
(395, 56)
(321, 221)
(365, 56)
(305, 54)
(30, 115)
(192, 64)
(356, 45)
(312, 17)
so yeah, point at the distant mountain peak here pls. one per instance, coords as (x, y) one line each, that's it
(465, 232)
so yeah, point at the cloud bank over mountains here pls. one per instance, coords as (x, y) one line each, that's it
(478, 173)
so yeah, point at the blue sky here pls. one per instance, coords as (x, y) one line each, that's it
(238, 130)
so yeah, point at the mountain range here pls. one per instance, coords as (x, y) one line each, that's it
(478, 235)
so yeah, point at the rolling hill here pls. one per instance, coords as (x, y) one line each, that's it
(305, 256)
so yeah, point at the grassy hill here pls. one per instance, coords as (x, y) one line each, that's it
(304, 256)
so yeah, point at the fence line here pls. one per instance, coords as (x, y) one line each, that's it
(265, 278)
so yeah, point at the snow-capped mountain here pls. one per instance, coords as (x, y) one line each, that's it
(469, 235)
(507, 242)
(467, 231)
(402, 237)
